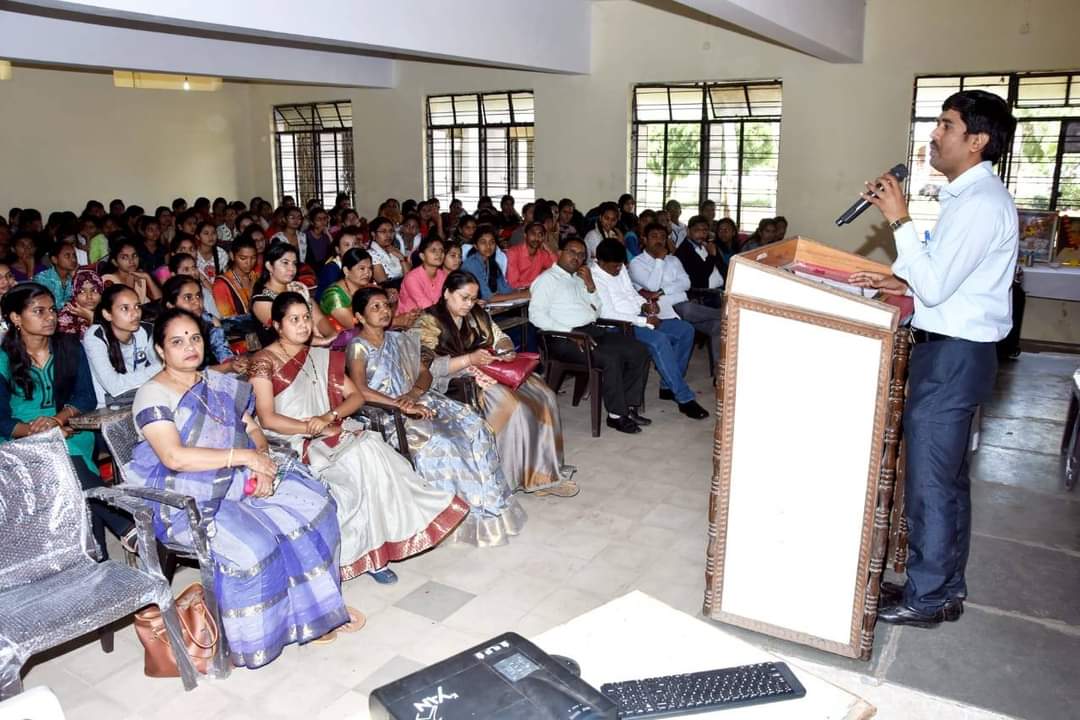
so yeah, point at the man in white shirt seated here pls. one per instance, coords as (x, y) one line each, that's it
(661, 277)
(669, 341)
(564, 298)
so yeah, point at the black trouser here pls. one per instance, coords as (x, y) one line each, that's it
(947, 380)
(624, 361)
(101, 515)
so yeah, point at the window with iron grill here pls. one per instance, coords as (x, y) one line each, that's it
(717, 141)
(313, 150)
(1041, 168)
(481, 144)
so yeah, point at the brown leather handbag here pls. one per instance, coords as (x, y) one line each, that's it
(197, 625)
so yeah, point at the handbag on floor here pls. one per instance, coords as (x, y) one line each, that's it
(512, 373)
(197, 626)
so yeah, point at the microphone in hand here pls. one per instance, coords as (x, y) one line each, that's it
(899, 172)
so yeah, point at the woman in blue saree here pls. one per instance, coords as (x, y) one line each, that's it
(274, 539)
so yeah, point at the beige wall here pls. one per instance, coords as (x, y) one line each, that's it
(66, 137)
(842, 123)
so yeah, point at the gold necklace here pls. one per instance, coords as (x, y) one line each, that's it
(198, 378)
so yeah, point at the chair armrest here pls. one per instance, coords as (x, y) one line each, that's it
(196, 520)
(144, 525)
(626, 326)
(584, 342)
(165, 497)
(385, 407)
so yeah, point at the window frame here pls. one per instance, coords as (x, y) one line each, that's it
(344, 168)
(455, 132)
(708, 121)
(1006, 166)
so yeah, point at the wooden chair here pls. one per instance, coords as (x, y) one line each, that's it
(378, 414)
(587, 374)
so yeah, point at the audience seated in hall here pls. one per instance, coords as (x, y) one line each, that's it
(184, 292)
(346, 239)
(305, 399)
(77, 315)
(451, 445)
(525, 262)
(275, 522)
(232, 288)
(704, 262)
(659, 276)
(458, 336)
(389, 260)
(279, 275)
(606, 228)
(564, 298)
(118, 346)
(422, 286)
(58, 277)
(44, 382)
(670, 341)
(122, 268)
(481, 261)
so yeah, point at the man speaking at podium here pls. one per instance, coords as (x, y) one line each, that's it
(961, 277)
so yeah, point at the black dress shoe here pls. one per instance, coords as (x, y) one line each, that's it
(904, 615)
(623, 424)
(666, 394)
(639, 419)
(693, 410)
(893, 594)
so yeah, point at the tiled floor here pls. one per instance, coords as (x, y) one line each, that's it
(639, 523)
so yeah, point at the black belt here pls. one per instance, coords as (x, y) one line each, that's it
(925, 336)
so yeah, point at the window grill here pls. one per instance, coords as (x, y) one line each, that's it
(1041, 168)
(718, 141)
(481, 144)
(313, 150)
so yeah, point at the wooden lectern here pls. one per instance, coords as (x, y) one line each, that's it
(809, 401)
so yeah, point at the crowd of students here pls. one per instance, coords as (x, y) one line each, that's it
(246, 339)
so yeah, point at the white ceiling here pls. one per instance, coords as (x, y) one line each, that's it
(356, 42)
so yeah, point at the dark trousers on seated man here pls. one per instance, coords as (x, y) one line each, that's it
(947, 380)
(705, 319)
(623, 360)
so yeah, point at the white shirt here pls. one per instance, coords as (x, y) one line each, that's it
(390, 263)
(667, 274)
(561, 302)
(962, 275)
(715, 278)
(140, 361)
(593, 239)
(618, 298)
(678, 233)
(301, 238)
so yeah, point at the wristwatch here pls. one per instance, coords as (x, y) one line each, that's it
(895, 224)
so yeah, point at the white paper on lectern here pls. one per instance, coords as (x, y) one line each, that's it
(636, 636)
(755, 281)
(803, 430)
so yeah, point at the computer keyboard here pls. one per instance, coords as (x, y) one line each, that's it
(704, 691)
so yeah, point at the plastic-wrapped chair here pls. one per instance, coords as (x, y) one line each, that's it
(121, 439)
(52, 587)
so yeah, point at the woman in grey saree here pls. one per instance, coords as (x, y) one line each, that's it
(452, 446)
(303, 398)
(457, 337)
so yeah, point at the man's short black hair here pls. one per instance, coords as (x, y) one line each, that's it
(610, 250)
(569, 239)
(984, 112)
(697, 220)
(654, 226)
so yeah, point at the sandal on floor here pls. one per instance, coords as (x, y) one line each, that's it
(325, 639)
(385, 576)
(357, 621)
(565, 489)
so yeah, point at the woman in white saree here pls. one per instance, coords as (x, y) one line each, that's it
(304, 398)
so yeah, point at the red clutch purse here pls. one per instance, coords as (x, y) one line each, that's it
(512, 373)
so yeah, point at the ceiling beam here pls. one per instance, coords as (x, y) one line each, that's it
(553, 35)
(37, 39)
(831, 30)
